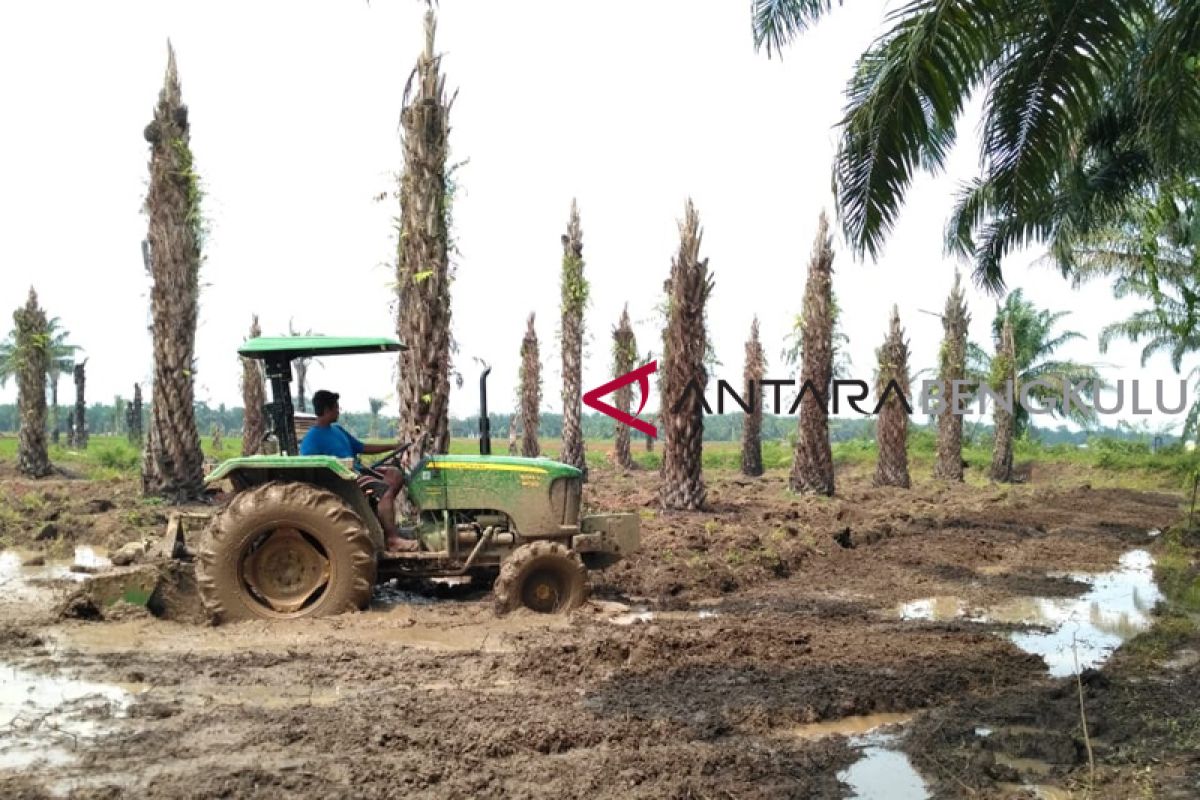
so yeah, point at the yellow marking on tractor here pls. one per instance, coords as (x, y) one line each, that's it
(472, 465)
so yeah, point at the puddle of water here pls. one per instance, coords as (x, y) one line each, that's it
(92, 557)
(45, 718)
(1115, 608)
(882, 773)
(849, 726)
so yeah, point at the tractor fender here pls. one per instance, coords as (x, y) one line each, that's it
(335, 474)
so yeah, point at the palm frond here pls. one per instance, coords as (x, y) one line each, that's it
(904, 100)
(777, 23)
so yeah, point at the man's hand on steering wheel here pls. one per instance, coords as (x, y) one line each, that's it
(390, 457)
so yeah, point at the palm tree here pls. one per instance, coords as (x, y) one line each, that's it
(254, 423)
(1155, 255)
(952, 366)
(1004, 377)
(624, 356)
(653, 419)
(27, 360)
(812, 462)
(300, 369)
(530, 391)
(513, 447)
(133, 416)
(752, 375)
(62, 359)
(891, 429)
(375, 404)
(423, 258)
(1043, 378)
(1085, 104)
(682, 411)
(79, 438)
(173, 464)
(574, 298)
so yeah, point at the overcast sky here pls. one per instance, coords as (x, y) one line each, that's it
(631, 106)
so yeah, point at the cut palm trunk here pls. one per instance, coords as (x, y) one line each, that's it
(892, 389)
(31, 357)
(812, 461)
(624, 355)
(952, 367)
(173, 464)
(133, 420)
(752, 375)
(254, 423)
(685, 376)
(81, 430)
(423, 259)
(530, 391)
(1004, 377)
(574, 298)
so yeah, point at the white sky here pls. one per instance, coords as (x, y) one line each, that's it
(629, 105)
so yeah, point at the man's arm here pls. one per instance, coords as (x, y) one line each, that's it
(375, 449)
(367, 449)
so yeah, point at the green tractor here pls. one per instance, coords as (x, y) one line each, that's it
(299, 538)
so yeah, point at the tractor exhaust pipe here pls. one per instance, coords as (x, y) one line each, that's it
(485, 434)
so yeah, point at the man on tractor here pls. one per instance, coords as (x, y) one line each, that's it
(327, 438)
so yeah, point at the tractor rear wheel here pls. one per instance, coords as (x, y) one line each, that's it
(283, 551)
(543, 576)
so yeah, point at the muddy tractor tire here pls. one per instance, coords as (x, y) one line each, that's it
(284, 551)
(543, 576)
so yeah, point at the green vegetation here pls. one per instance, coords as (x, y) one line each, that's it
(111, 456)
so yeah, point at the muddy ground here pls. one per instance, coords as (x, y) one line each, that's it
(744, 625)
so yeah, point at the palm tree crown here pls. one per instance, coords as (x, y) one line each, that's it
(1085, 105)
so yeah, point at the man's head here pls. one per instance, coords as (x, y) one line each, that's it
(325, 404)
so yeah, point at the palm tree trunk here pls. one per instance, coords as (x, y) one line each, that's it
(892, 387)
(300, 366)
(254, 423)
(173, 464)
(32, 360)
(530, 391)
(81, 430)
(624, 354)
(514, 447)
(1004, 372)
(752, 376)
(133, 421)
(54, 423)
(574, 298)
(685, 377)
(952, 366)
(423, 265)
(812, 462)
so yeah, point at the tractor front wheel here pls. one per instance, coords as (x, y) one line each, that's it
(283, 551)
(543, 576)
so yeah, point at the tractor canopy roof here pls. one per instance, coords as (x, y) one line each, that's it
(311, 346)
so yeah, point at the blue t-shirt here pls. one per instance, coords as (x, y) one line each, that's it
(331, 440)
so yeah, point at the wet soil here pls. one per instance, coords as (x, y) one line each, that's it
(742, 626)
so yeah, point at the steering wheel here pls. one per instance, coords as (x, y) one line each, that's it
(390, 457)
